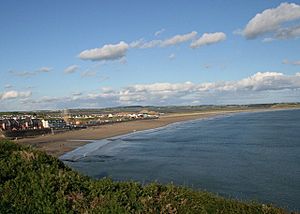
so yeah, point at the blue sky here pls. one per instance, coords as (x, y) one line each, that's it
(84, 54)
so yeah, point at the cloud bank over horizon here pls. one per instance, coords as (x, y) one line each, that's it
(164, 93)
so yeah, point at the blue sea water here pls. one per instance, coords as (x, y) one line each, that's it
(248, 156)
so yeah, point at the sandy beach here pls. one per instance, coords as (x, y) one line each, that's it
(62, 143)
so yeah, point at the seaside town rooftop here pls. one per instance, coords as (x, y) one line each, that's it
(32, 124)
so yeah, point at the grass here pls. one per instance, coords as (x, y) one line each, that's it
(34, 182)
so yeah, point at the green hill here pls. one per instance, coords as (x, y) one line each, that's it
(33, 182)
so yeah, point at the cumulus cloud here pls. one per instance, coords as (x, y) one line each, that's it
(107, 90)
(123, 60)
(14, 95)
(259, 88)
(268, 39)
(141, 43)
(271, 20)
(155, 92)
(44, 69)
(107, 52)
(177, 92)
(71, 69)
(208, 39)
(288, 33)
(266, 81)
(119, 51)
(177, 39)
(188, 91)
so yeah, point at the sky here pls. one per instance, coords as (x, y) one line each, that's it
(92, 54)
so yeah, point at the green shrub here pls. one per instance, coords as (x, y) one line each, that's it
(33, 182)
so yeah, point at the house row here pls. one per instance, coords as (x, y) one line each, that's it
(20, 124)
(11, 124)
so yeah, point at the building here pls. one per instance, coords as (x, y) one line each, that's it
(10, 124)
(29, 123)
(54, 123)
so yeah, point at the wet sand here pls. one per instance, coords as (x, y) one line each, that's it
(62, 143)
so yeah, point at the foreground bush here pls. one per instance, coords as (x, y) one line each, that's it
(33, 182)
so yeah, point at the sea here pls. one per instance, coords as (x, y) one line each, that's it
(247, 156)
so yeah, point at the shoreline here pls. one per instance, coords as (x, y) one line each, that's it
(62, 143)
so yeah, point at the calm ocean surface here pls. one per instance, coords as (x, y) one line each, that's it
(251, 156)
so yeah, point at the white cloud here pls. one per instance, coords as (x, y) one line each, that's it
(141, 43)
(44, 69)
(14, 95)
(98, 53)
(123, 60)
(137, 43)
(177, 39)
(208, 39)
(30, 73)
(71, 69)
(271, 20)
(22, 73)
(268, 39)
(157, 33)
(107, 52)
(174, 93)
(154, 93)
(107, 90)
(265, 81)
(288, 32)
(261, 87)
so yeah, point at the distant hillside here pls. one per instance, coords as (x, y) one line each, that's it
(161, 109)
(33, 182)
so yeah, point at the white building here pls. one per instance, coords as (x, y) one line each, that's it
(54, 123)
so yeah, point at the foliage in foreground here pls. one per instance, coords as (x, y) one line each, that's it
(33, 182)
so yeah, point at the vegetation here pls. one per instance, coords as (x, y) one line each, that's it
(161, 109)
(33, 182)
